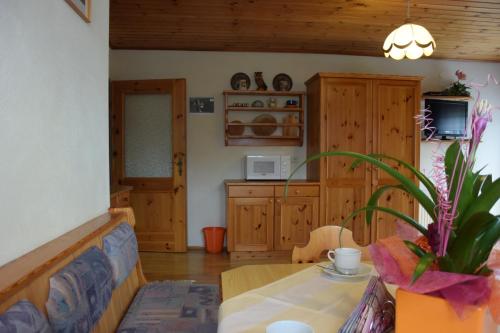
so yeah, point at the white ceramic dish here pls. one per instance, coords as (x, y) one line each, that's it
(329, 269)
(289, 326)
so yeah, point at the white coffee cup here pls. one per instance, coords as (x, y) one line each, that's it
(289, 326)
(346, 260)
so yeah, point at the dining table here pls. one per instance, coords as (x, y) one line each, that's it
(308, 295)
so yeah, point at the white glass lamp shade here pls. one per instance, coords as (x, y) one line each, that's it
(409, 40)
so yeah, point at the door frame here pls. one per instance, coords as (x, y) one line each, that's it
(177, 185)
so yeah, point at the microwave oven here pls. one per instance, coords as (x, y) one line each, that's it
(262, 167)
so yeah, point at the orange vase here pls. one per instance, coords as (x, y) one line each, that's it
(416, 313)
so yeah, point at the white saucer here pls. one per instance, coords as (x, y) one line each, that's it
(329, 269)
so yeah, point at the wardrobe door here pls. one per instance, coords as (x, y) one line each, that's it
(347, 127)
(396, 103)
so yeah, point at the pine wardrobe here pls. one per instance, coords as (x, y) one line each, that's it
(362, 113)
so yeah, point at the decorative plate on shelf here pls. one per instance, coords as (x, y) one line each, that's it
(258, 104)
(235, 129)
(264, 130)
(240, 81)
(282, 82)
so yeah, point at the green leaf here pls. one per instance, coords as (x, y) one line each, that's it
(485, 201)
(446, 264)
(415, 248)
(390, 211)
(487, 183)
(455, 164)
(478, 184)
(373, 201)
(409, 185)
(423, 264)
(474, 242)
(429, 185)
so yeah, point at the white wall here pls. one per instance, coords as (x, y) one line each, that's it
(53, 121)
(208, 73)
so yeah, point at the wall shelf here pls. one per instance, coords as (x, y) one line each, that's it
(282, 138)
(448, 98)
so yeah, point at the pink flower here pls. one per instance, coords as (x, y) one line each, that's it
(481, 116)
(460, 75)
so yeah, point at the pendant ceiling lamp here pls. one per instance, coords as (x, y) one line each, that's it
(409, 40)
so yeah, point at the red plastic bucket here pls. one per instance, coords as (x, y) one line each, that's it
(214, 239)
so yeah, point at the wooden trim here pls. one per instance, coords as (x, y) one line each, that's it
(179, 175)
(20, 272)
(264, 93)
(87, 15)
(141, 184)
(301, 182)
(448, 98)
(363, 76)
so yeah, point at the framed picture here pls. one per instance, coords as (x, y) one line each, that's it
(82, 8)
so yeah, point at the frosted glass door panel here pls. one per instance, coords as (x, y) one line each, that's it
(148, 136)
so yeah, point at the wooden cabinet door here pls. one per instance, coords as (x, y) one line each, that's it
(347, 127)
(250, 224)
(396, 134)
(294, 219)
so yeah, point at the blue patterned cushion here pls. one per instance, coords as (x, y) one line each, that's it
(80, 292)
(23, 317)
(121, 248)
(173, 306)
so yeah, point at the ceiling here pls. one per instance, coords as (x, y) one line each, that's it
(463, 29)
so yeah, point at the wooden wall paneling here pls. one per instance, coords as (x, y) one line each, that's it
(294, 219)
(397, 135)
(251, 224)
(464, 29)
(347, 128)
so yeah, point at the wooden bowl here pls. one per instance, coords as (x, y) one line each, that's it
(264, 130)
(235, 129)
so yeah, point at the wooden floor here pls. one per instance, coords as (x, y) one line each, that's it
(194, 265)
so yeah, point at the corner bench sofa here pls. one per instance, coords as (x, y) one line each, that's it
(91, 280)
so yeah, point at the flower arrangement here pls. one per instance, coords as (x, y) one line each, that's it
(458, 88)
(449, 257)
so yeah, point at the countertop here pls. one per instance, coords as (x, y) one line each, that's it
(269, 182)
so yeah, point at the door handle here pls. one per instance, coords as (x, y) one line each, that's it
(179, 166)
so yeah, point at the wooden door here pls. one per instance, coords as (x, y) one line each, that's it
(396, 103)
(294, 219)
(149, 153)
(251, 224)
(347, 127)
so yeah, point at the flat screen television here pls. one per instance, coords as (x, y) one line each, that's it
(448, 117)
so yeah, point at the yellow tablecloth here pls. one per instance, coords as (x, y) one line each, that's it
(309, 296)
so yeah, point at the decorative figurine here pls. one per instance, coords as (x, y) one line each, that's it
(259, 80)
(272, 103)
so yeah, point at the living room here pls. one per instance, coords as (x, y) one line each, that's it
(72, 70)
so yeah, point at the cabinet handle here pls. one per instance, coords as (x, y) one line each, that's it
(278, 200)
(270, 200)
